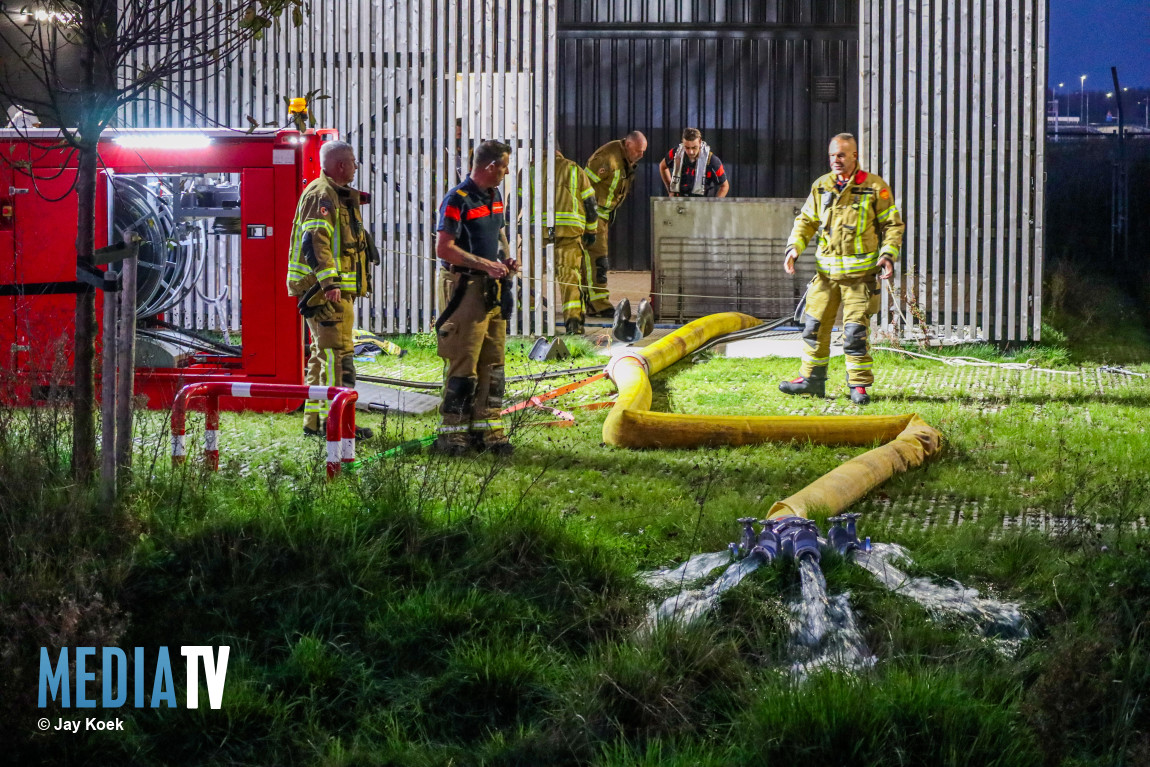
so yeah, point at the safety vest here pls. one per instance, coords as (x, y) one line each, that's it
(611, 177)
(328, 241)
(856, 226)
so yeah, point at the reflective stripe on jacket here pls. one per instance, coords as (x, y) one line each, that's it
(855, 227)
(575, 211)
(573, 215)
(328, 242)
(611, 176)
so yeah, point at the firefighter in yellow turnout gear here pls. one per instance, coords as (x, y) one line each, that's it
(612, 173)
(329, 267)
(859, 235)
(576, 222)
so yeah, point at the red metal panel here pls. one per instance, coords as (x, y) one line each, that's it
(7, 276)
(39, 246)
(45, 251)
(290, 357)
(259, 272)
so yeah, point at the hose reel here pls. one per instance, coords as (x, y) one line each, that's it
(171, 223)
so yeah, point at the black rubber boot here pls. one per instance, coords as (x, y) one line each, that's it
(859, 395)
(573, 327)
(816, 387)
(454, 444)
(494, 442)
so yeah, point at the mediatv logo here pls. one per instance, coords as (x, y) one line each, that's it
(150, 684)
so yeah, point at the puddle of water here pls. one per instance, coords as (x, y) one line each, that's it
(1001, 621)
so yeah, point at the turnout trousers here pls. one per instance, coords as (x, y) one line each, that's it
(572, 266)
(471, 340)
(859, 299)
(598, 297)
(331, 361)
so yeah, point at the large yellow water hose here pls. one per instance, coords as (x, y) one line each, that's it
(908, 440)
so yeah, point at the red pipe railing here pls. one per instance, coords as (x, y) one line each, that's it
(340, 417)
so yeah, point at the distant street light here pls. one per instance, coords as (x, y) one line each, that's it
(1082, 100)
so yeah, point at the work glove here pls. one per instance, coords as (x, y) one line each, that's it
(328, 312)
(322, 310)
(588, 239)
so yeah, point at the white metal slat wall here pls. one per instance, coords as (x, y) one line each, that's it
(401, 75)
(964, 154)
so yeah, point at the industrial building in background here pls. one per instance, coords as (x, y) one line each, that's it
(945, 96)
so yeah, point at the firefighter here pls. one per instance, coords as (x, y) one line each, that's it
(612, 173)
(678, 169)
(859, 232)
(576, 222)
(471, 329)
(331, 256)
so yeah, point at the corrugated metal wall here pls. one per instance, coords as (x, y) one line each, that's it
(745, 72)
(951, 115)
(405, 77)
(949, 112)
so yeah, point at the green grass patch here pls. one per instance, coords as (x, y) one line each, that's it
(426, 611)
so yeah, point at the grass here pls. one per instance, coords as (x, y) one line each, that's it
(482, 612)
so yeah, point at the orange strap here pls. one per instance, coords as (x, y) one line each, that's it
(539, 399)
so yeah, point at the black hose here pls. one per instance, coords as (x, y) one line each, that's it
(513, 379)
(200, 344)
(737, 335)
(225, 348)
(742, 335)
(399, 382)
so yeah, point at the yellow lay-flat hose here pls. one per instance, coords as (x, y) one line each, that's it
(908, 439)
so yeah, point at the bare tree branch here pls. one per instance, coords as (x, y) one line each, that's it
(80, 63)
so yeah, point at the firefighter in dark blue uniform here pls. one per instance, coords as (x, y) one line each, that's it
(471, 330)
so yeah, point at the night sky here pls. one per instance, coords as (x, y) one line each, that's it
(1087, 37)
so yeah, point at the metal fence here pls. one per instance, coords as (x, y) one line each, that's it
(413, 86)
(951, 115)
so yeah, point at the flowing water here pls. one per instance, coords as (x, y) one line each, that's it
(1001, 621)
(691, 570)
(824, 633)
(687, 606)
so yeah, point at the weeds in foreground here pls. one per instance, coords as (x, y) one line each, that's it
(425, 611)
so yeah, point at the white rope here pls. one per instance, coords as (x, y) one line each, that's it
(1021, 366)
(543, 280)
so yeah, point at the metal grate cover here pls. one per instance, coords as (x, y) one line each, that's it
(825, 90)
(713, 255)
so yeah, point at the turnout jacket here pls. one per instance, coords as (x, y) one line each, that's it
(328, 243)
(611, 177)
(855, 227)
(575, 209)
